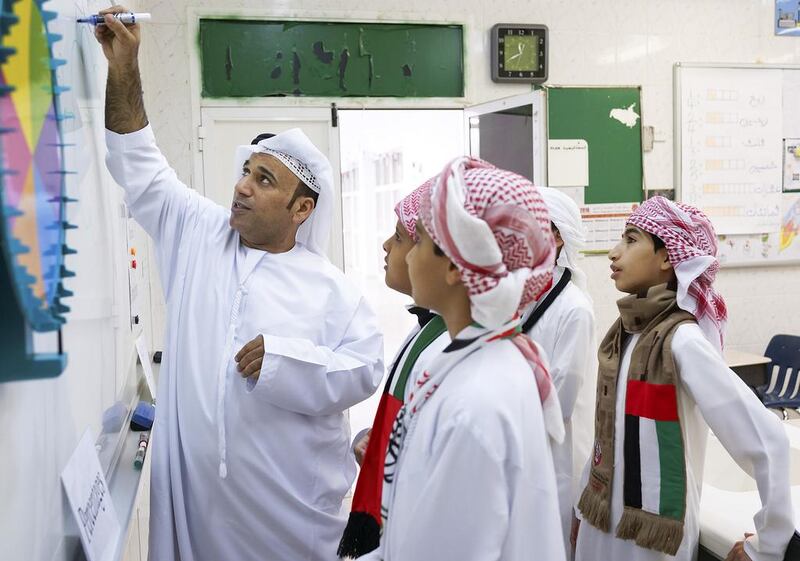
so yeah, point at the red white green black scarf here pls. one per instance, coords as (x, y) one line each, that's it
(363, 531)
(654, 499)
(472, 339)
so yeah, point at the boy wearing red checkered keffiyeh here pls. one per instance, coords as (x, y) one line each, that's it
(426, 340)
(468, 472)
(662, 383)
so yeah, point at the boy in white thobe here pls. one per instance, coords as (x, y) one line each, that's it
(468, 472)
(251, 454)
(425, 342)
(662, 383)
(561, 321)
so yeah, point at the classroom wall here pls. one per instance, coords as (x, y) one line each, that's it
(592, 42)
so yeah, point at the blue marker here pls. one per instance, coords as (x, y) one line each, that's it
(127, 17)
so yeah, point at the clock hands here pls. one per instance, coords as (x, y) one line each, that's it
(520, 48)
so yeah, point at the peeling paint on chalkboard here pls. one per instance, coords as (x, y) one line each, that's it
(325, 57)
(295, 68)
(228, 63)
(345, 56)
(362, 52)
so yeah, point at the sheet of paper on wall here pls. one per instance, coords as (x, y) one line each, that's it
(604, 224)
(147, 367)
(90, 501)
(786, 18)
(791, 164)
(772, 248)
(568, 163)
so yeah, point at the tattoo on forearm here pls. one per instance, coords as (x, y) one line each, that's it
(124, 101)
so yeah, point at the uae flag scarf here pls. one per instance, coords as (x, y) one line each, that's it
(471, 339)
(363, 531)
(654, 498)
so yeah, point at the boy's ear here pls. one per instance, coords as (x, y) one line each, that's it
(453, 276)
(557, 238)
(663, 256)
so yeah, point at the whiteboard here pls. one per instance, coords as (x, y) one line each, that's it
(44, 419)
(730, 125)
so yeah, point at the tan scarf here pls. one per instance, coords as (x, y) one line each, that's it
(654, 499)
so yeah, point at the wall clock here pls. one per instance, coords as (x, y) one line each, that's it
(519, 53)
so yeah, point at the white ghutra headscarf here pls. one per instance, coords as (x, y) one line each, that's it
(566, 216)
(294, 149)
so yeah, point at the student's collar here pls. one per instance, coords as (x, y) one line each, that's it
(466, 337)
(424, 315)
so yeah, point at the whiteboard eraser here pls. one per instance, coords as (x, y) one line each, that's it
(143, 416)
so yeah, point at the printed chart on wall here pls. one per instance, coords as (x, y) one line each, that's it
(739, 157)
(604, 224)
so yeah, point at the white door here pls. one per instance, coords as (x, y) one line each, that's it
(511, 134)
(225, 128)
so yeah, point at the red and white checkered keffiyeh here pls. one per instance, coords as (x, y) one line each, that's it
(494, 225)
(407, 210)
(691, 245)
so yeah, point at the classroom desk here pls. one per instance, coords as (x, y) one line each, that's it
(751, 368)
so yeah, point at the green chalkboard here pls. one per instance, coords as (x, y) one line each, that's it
(255, 58)
(615, 149)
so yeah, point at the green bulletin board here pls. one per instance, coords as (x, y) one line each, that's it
(615, 149)
(255, 58)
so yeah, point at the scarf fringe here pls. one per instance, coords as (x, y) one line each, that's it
(650, 530)
(361, 535)
(596, 510)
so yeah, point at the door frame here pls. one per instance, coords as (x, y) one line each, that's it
(539, 129)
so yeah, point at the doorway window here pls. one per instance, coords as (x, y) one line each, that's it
(386, 154)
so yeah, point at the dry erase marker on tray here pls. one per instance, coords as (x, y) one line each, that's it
(124, 17)
(138, 460)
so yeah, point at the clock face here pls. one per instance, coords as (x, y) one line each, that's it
(519, 53)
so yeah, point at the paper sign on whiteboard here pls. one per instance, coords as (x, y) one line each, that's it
(90, 501)
(567, 163)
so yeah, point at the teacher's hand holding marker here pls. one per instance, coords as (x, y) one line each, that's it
(120, 41)
(124, 17)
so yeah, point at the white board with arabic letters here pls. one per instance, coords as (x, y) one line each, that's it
(736, 133)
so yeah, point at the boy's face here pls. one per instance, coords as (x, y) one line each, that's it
(431, 275)
(636, 265)
(397, 247)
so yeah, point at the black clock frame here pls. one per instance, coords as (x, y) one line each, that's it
(499, 74)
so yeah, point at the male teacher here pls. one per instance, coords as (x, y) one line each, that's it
(267, 343)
